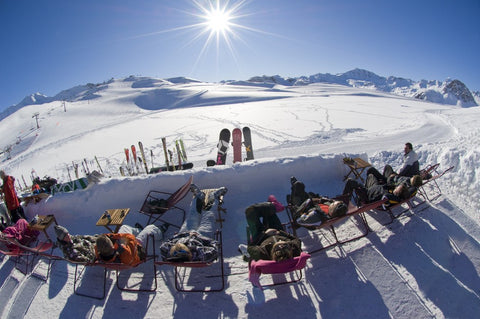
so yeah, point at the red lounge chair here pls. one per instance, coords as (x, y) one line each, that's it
(181, 276)
(157, 204)
(117, 267)
(330, 224)
(293, 266)
(430, 174)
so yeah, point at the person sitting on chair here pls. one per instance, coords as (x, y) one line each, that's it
(409, 168)
(194, 241)
(123, 246)
(268, 240)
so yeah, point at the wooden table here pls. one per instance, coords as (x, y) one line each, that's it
(31, 197)
(117, 216)
(357, 166)
(42, 224)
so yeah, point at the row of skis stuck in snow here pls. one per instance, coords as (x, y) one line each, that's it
(224, 142)
(135, 162)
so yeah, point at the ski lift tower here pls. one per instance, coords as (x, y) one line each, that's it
(36, 118)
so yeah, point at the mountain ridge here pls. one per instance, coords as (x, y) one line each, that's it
(451, 92)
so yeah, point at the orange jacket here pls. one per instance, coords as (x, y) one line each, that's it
(127, 247)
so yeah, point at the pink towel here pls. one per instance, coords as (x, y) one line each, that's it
(258, 267)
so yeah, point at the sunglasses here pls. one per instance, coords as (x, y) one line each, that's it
(178, 252)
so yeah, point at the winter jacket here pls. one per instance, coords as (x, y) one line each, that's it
(126, 247)
(410, 165)
(262, 248)
(8, 189)
(202, 248)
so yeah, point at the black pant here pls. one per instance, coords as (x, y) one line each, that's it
(17, 214)
(381, 178)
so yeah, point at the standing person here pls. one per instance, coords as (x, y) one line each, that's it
(11, 198)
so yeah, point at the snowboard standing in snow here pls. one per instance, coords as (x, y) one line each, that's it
(237, 145)
(222, 145)
(247, 141)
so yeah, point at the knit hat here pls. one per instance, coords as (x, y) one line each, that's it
(278, 206)
(62, 233)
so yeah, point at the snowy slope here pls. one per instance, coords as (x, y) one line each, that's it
(423, 265)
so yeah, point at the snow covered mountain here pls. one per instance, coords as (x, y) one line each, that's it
(452, 92)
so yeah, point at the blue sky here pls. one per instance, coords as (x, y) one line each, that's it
(52, 45)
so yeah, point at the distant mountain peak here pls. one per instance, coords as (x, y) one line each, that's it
(452, 92)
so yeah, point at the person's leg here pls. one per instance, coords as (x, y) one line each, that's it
(371, 181)
(351, 185)
(255, 226)
(272, 221)
(127, 229)
(207, 222)
(149, 230)
(373, 171)
(387, 171)
(192, 220)
(15, 215)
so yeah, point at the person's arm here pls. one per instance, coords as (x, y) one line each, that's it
(257, 252)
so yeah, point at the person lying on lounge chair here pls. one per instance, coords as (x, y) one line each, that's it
(310, 209)
(124, 246)
(194, 241)
(396, 190)
(268, 240)
(19, 232)
(76, 248)
(315, 211)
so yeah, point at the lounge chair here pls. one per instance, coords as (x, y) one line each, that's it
(22, 253)
(331, 223)
(185, 270)
(80, 268)
(293, 266)
(157, 204)
(192, 267)
(430, 174)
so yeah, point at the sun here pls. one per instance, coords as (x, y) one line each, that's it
(218, 20)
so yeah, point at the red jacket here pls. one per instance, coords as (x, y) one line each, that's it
(9, 193)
